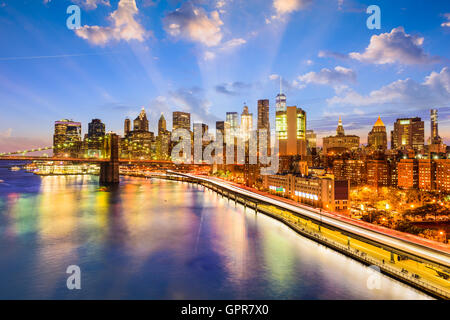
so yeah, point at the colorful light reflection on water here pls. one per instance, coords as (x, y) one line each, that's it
(156, 239)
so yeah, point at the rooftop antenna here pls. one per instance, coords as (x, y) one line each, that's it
(280, 85)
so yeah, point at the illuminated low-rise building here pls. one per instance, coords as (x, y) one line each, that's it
(427, 174)
(443, 175)
(320, 192)
(378, 173)
(355, 171)
(408, 175)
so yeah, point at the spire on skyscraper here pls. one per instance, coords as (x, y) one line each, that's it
(340, 128)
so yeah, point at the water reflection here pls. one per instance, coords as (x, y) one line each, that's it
(161, 239)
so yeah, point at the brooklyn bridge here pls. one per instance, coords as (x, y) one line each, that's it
(109, 167)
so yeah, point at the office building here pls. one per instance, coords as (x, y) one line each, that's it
(341, 142)
(126, 127)
(436, 144)
(246, 124)
(311, 139)
(94, 142)
(263, 120)
(377, 138)
(181, 120)
(408, 134)
(67, 139)
(291, 131)
(141, 122)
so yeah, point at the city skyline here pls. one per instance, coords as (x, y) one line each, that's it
(165, 70)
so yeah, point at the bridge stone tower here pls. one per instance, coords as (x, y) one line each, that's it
(109, 171)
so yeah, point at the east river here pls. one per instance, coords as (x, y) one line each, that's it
(157, 239)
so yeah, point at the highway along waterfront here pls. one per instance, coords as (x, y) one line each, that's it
(161, 239)
(421, 263)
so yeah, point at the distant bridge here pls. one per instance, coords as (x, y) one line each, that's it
(25, 151)
(109, 167)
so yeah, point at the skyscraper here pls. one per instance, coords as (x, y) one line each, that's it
(94, 143)
(202, 127)
(435, 139)
(220, 127)
(67, 138)
(340, 128)
(181, 120)
(408, 134)
(436, 144)
(127, 127)
(96, 128)
(162, 125)
(280, 100)
(263, 120)
(291, 131)
(377, 138)
(163, 140)
(141, 122)
(233, 121)
(140, 142)
(311, 139)
(246, 123)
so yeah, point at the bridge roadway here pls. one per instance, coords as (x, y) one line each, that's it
(94, 160)
(411, 245)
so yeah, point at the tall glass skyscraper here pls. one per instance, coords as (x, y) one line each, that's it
(233, 121)
(246, 123)
(280, 102)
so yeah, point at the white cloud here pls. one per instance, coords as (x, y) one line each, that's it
(288, 6)
(209, 55)
(447, 23)
(192, 23)
(394, 47)
(233, 43)
(91, 4)
(334, 77)
(434, 90)
(123, 26)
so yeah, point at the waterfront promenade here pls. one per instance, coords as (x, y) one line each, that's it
(418, 262)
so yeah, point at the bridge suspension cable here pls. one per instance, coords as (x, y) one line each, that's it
(25, 151)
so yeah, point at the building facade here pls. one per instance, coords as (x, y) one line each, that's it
(263, 121)
(378, 173)
(340, 142)
(408, 134)
(181, 120)
(67, 139)
(320, 192)
(408, 175)
(377, 138)
(291, 131)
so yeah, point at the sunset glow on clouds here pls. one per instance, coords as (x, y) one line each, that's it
(212, 56)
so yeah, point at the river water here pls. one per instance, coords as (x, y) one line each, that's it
(157, 239)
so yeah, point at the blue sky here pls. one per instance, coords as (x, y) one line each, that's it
(209, 57)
